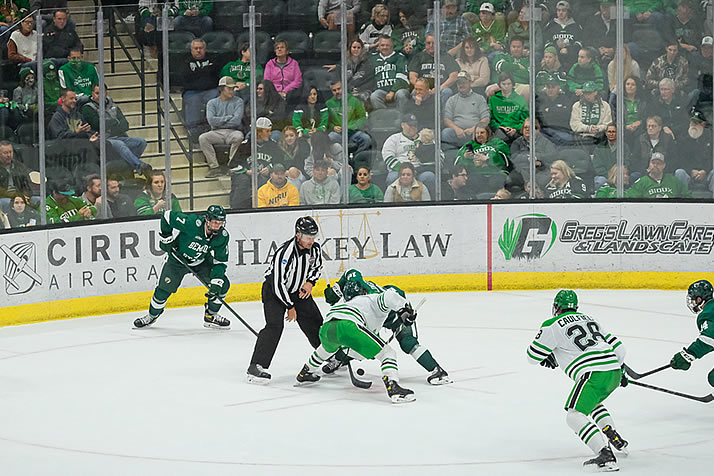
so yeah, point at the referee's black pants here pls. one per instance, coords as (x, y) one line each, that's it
(309, 319)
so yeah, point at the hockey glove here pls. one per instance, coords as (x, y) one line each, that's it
(166, 243)
(550, 362)
(407, 315)
(214, 290)
(333, 294)
(682, 360)
(623, 380)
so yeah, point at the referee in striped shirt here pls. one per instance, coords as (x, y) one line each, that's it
(293, 271)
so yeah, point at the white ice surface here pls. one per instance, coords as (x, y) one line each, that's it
(94, 397)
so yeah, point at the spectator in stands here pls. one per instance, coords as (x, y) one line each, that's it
(116, 126)
(51, 6)
(52, 87)
(609, 189)
(14, 176)
(199, 84)
(656, 140)
(585, 70)
(239, 70)
(553, 110)
(456, 187)
(564, 34)
(67, 122)
(520, 29)
(408, 35)
(284, 72)
(64, 207)
(471, 60)
(278, 192)
(422, 66)
(635, 109)
(696, 155)
(25, 94)
(320, 190)
(687, 29)
(392, 77)
(78, 75)
(700, 62)
(550, 67)
(92, 194)
(58, 38)
(406, 188)
(153, 200)
(487, 160)
(453, 28)
(358, 140)
(147, 33)
(311, 116)
(490, 34)
(632, 68)
(421, 104)
(295, 153)
(378, 26)
(671, 65)
(590, 115)
(657, 184)
(22, 46)
(605, 155)
(360, 71)
(515, 64)
(10, 112)
(323, 149)
(508, 109)
(545, 153)
(328, 13)
(600, 32)
(195, 16)
(120, 205)
(21, 214)
(4, 222)
(671, 107)
(463, 112)
(363, 191)
(564, 184)
(269, 104)
(225, 116)
(401, 147)
(10, 14)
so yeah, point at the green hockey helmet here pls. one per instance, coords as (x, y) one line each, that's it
(699, 289)
(352, 289)
(564, 300)
(216, 212)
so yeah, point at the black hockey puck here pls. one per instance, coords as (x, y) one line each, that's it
(360, 372)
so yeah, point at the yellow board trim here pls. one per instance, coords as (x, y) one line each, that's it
(187, 297)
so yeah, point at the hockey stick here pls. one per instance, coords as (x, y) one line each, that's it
(704, 399)
(173, 253)
(401, 326)
(635, 375)
(365, 384)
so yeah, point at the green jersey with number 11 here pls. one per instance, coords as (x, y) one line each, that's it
(579, 345)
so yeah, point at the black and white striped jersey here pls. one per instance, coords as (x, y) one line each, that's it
(291, 267)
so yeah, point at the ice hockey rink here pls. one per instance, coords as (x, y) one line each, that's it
(93, 396)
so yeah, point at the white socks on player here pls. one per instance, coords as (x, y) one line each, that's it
(586, 430)
(602, 417)
(389, 363)
(317, 358)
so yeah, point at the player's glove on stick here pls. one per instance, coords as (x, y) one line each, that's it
(215, 288)
(407, 315)
(623, 380)
(682, 360)
(166, 243)
(332, 294)
(550, 362)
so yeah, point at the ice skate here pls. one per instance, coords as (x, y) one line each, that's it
(257, 374)
(604, 462)
(616, 440)
(397, 393)
(331, 366)
(306, 377)
(216, 321)
(439, 377)
(145, 321)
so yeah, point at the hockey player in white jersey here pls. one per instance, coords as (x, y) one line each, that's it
(593, 359)
(355, 325)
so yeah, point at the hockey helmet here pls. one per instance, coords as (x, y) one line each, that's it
(216, 212)
(565, 299)
(699, 289)
(306, 226)
(352, 289)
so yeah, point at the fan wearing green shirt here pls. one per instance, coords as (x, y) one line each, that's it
(657, 184)
(78, 76)
(63, 207)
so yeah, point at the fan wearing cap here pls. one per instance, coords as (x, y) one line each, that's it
(490, 33)
(696, 154)
(25, 94)
(64, 207)
(463, 112)
(657, 183)
(400, 148)
(590, 116)
(564, 33)
(278, 192)
(224, 115)
(700, 62)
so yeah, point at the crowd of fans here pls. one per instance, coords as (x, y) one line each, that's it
(485, 97)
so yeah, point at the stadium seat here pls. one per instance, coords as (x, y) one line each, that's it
(373, 159)
(579, 161)
(179, 49)
(8, 134)
(382, 124)
(316, 76)
(273, 14)
(220, 45)
(264, 46)
(298, 42)
(326, 45)
(28, 134)
(302, 15)
(229, 15)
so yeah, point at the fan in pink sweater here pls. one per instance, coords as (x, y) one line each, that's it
(283, 71)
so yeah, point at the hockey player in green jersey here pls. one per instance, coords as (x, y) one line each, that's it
(354, 326)
(700, 300)
(350, 285)
(594, 360)
(202, 243)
